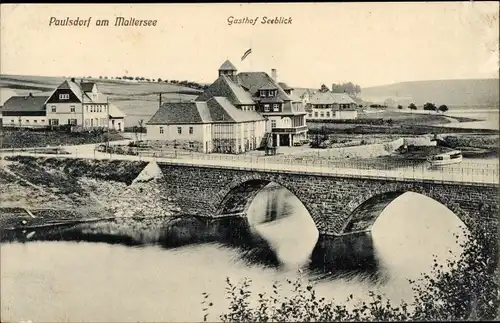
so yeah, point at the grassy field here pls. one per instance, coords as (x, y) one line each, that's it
(25, 139)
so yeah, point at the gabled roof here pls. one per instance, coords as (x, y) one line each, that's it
(181, 113)
(25, 103)
(227, 66)
(114, 112)
(269, 86)
(254, 81)
(284, 86)
(225, 87)
(221, 110)
(87, 86)
(80, 93)
(330, 98)
(5, 94)
(75, 88)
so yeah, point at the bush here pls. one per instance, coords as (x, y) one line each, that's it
(467, 290)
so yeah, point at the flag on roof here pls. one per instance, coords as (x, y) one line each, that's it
(246, 54)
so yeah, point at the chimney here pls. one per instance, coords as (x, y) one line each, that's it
(73, 79)
(274, 75)
(31, 94)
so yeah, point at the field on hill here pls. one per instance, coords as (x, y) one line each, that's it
(138, 100)
(461, 93)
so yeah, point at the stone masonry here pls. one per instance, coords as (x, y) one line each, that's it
(330, 200)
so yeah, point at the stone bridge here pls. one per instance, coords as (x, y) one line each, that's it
(338, 204)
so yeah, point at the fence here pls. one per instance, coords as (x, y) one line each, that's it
(486, 173)
(401, 169)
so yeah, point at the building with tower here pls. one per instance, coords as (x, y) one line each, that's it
(238, 112)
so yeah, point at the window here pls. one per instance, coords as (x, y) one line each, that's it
(190, 130)
(310, 115)
(191, 144)
(316, 114)
(179, 130)
(63, 96)
(263, 94)
(161, 130)
(322, 115)
(87, 108)
(54, 122)
(72, 122)
(273, 123)
(12, 121)
(276, 107)
(72, 108)
(100, 108)
(266, 107)
(27, 121)
(35, 121)
(271, 93)
(328, 114)
(53, 108)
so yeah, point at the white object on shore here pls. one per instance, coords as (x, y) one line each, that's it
(30, 214)
(31, 234)
(24, 222)
(447, 158)
(150, 172)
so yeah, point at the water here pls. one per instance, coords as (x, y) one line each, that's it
(98, 282)
(489, 118)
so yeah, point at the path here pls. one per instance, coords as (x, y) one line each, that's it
(479, 175)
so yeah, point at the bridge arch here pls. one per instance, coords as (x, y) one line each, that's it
(235, 199)
(362, 216)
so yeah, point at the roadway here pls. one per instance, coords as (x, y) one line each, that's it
(456, 174)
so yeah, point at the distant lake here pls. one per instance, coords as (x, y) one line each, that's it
(489, 118)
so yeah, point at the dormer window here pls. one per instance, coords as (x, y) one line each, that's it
(276, 107)
(63, 96)
(263, 94)
(272, 93)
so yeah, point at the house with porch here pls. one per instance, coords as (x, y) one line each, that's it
(331, 106)
(77, 104)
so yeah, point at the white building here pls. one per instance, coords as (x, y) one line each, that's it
(331, 106)
(80, 105)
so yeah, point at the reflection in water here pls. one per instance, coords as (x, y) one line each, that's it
(76, 281)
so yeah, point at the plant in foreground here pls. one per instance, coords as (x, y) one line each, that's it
(463, 289)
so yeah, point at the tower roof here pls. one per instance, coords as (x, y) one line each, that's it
(227, 66)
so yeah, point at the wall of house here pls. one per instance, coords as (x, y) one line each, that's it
(167, 136)
(94, 115)
(29, 122)
(117, 124)
(328, 114)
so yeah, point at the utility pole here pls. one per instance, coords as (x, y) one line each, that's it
(83, 107)
(107, 119)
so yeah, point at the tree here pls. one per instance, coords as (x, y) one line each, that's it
(400, 107)
(443, 108)
(430, 106)
(412, 106)
(324, 88)
(349, 88)
(159, 80)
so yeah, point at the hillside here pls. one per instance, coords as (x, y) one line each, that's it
(467, 92)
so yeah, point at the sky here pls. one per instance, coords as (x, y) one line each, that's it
(366, 43)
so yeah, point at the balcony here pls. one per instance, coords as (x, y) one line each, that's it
(292, 130)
